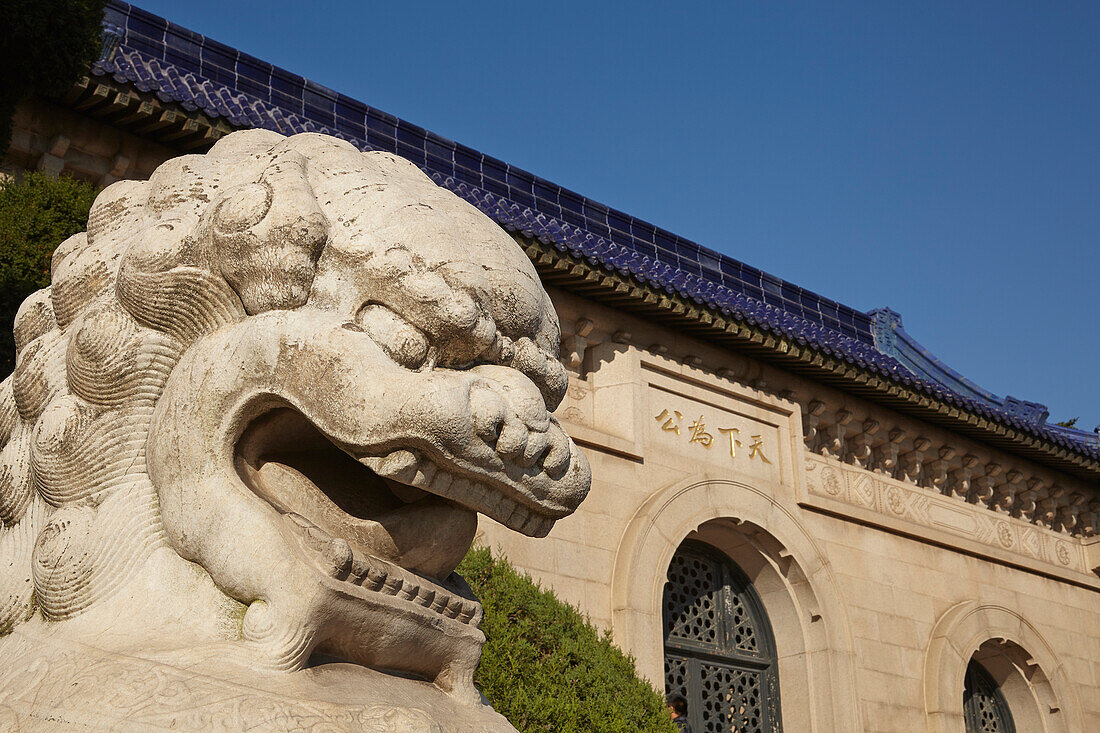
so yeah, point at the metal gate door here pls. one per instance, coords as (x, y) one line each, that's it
(719, 648)
(984, 706)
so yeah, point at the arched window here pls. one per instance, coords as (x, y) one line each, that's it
(983, 704)
(719, 648)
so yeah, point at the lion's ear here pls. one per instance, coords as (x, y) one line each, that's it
(267, 236)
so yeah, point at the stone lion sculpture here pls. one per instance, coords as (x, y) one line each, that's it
(250, 427)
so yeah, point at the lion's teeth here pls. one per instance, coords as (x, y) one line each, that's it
(516, 518)
(467, 612)
(338, 560)
(440, 601)
(497, 504)
(358, 569)
(424, 474)
(338, 556)
(483, 493)
(460, 487)
(371, 462)
(392, 584)
(375, 576)
(399, 466)
(535, 525)
(442, 482)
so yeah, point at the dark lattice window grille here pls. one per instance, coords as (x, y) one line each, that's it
(984, 706)
(719, 649)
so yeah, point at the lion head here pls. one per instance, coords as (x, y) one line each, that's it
(264, 399)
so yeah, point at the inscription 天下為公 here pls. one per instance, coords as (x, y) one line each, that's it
(670, 422)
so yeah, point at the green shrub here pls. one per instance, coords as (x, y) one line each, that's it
(545, 668)
(36, 214)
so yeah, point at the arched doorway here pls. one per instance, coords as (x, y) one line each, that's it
(1019, 666)
(788, 569)
(719, 647)
(984, 706)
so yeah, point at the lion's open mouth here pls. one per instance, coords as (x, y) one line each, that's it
(385, 523)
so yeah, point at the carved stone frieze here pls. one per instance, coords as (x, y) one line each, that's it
(916, 509)
(971, 475)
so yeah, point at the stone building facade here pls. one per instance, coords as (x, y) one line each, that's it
(800, 519)
(887, 552)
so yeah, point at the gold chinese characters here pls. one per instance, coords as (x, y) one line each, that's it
(697, 433)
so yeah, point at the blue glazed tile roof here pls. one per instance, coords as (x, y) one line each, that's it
(199, 73)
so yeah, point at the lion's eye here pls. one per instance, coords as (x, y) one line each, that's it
(404, 343)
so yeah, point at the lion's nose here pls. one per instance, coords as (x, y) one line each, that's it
(521, 394)
(557, 457)
(510, 416)
(542, 370)
(488, 411)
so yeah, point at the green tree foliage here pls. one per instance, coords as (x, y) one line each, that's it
(36, 214)
(1071, 423)
(545, 668)
(45, 46)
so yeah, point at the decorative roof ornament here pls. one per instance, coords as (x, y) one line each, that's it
(1030, 412)
(884, 324)
(110, 38)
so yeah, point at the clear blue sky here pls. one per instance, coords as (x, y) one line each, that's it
(939, 158)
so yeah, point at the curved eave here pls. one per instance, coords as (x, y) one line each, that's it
(923, 362)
